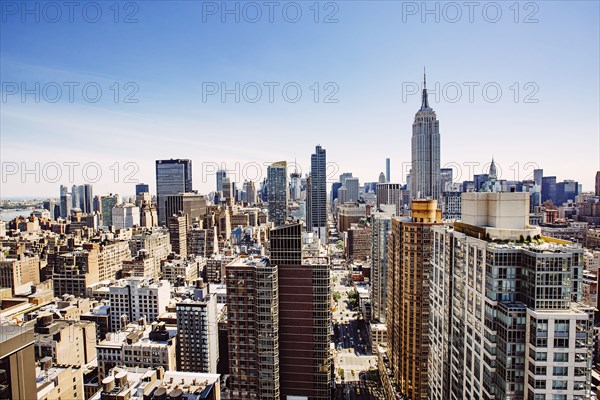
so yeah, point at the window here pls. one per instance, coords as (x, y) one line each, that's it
(560, 371)
(561, 357)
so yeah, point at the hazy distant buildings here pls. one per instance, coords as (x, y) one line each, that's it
(389, 193)
(65, 202)
(220, 175)
(353, 187)
(191, 204)
(387, 170)
(125, 216)
(425, 173)
(107, 203)
(445, 179)
(142, 188)
(277, 192)
(172, 177)
(249, 189)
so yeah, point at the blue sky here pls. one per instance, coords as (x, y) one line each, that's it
(369, 56)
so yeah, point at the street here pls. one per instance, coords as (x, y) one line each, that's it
(353, 354)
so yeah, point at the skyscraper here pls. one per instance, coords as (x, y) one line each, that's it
(382, 226)
(253, 328)
(277, 192)
(445, 179)
(549, 189)
(106, 205)
(352, 185)
(425, 173)
(317, 213)
(228, 191)
(389, 193)
(250, 190)
(345, 176)
(387, 170)
(598, 183)
(507, 321)
(197, 338)
(408, 297)
(220, 175)
(65, 202)
(172, 177)
(86, 198)
(304, 302)
(142, 188)
(75, 197)
(192, 204)
(295, 185)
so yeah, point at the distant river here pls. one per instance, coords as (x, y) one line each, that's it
(8, 215)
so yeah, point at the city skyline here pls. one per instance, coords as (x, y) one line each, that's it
(300, 200)
(378, 96)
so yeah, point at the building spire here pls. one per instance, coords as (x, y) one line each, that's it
(424, 100)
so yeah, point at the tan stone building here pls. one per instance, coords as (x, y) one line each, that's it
(408, 297)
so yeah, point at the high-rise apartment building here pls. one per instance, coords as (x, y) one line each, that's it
(19, 272)
(253, 318)
(17, 361)
(197, 331)
(277, 192)
(76, 270)
(506, 320)
(408, 297)
(304, 303)
(172, 177)
(155, 242)
(425, 172)
(178, 228)
(382, 226)
(316, 214)
(134, 298)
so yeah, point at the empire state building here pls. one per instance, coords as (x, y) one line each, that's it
(425, 173)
